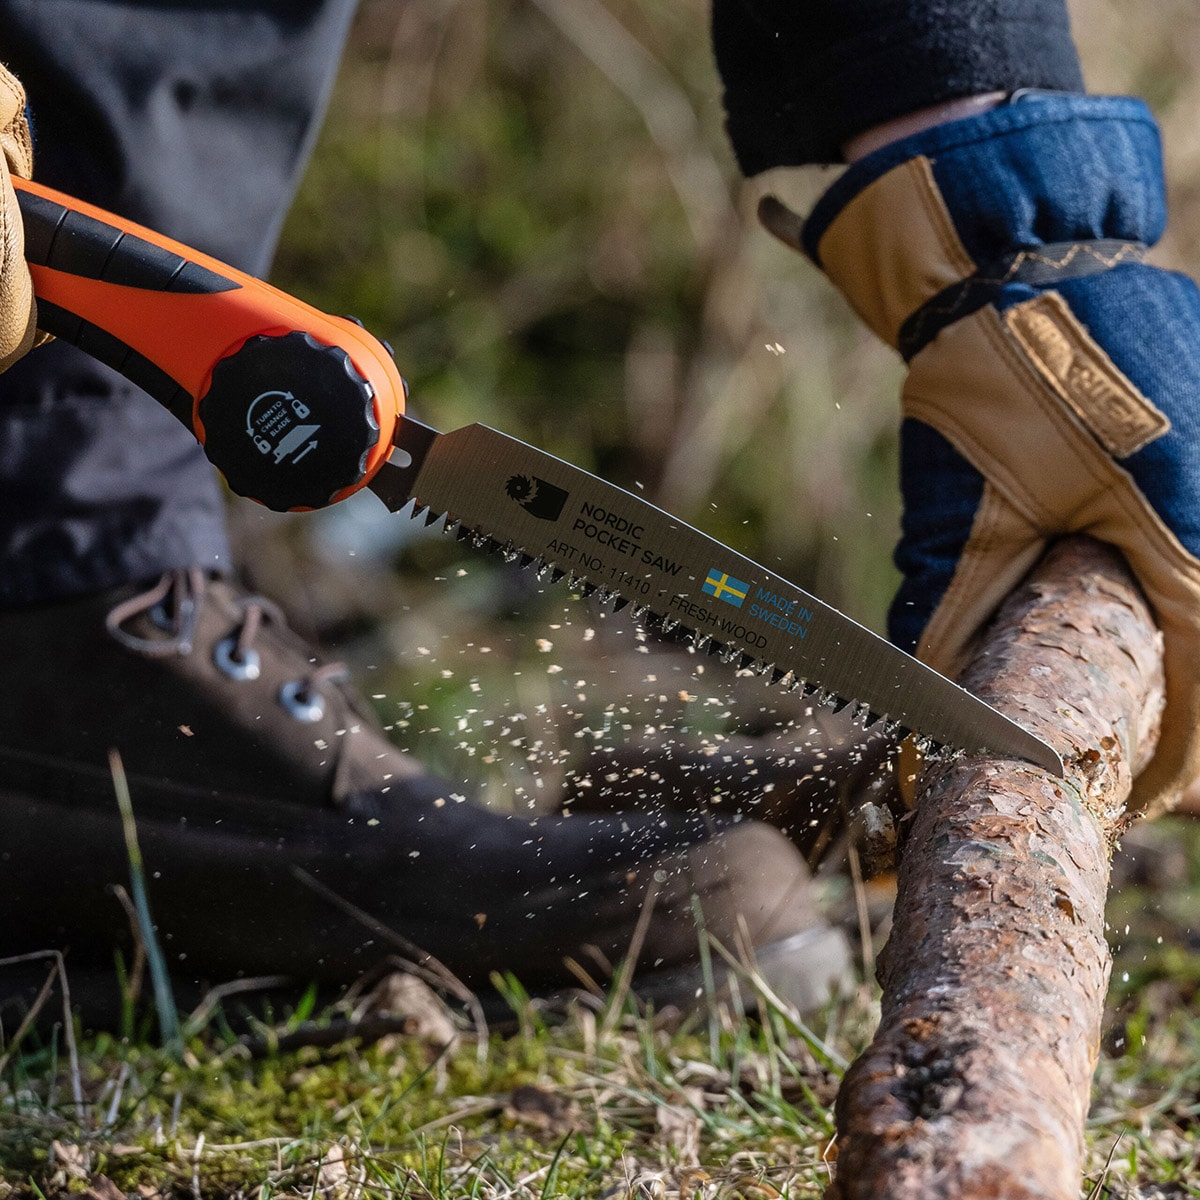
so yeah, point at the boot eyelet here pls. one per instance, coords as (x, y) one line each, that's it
(303, 703)
(160, 618)
(247, 665)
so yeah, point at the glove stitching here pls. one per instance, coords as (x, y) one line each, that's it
(1116, 512)
(884, 299)
(1081, 372)
(968, 295)
(1051, 405)
(1115, 113)
(940, 219)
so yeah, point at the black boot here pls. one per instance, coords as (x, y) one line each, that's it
(283, 834)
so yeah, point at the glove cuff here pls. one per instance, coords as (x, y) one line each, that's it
(990, 209)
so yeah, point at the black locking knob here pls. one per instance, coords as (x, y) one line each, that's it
(289, 421)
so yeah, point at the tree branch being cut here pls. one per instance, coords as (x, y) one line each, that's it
(994, 978)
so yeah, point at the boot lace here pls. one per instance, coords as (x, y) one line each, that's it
(173, 606)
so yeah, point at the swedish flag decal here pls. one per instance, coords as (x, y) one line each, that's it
(725, 587)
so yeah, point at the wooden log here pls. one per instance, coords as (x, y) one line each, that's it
(977, 1082)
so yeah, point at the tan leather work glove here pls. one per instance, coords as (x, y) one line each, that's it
(18, 312)
(1054, 377)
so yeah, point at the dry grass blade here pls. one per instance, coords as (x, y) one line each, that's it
(699, 182)
(1098, 1189)
(624, 979)
(212, 999)
(59, 968)
(27, 1022)
(862, 910)
(420, 962)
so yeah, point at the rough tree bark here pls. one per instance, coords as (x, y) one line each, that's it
(977, 1083)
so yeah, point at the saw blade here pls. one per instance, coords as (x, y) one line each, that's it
(507, 495)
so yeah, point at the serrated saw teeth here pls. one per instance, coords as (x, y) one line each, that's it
(698, 642)
(544, 570)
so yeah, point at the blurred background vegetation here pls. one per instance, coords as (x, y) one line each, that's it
(534, 202)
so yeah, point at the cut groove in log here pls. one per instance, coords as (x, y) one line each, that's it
(978, 1080)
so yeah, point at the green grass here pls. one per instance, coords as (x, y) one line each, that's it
(611, 1100)
(602, 1103)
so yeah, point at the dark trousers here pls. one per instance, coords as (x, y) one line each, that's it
(197, 119)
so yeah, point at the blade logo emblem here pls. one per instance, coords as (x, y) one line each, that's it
(537, 497)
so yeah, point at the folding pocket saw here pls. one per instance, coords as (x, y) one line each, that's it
(299, 410)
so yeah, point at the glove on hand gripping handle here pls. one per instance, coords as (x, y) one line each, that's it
(18, 326)
(297, 409)
(1054, 378)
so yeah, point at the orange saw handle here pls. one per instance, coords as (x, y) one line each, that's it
(297, 409)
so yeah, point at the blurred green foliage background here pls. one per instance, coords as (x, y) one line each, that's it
(534, 202)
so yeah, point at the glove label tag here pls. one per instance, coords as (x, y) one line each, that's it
(1079, 371)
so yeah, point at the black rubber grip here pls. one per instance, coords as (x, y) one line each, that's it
(72, 242)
